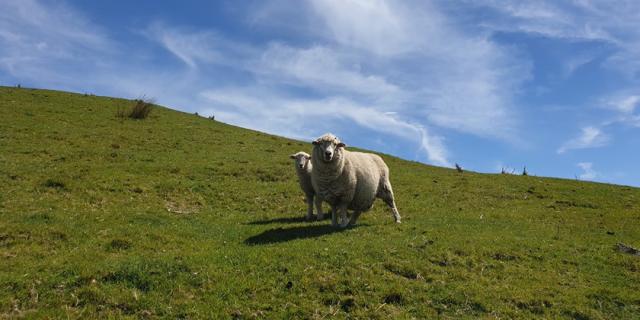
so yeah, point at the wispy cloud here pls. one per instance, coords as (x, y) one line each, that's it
(411, 62)
(444, 76)
(576, 62)
(305, 118)
(576, 21)
(546, 18)
(35, 37)
(350, 24)
(588, 173)
(322, 68)
(194, 47)
(625, 104)
(590, 137)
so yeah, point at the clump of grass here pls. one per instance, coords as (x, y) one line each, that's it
(55, 184)
(394, 298)
(118, 244)
(140, 110)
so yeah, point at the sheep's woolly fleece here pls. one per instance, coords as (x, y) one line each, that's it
(349, 180)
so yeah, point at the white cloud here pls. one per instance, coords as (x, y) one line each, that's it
(546, 18)
(32, 35)
(576, 62)
(322, 68)
(588, 172)
(198, 47)
(47, 43)
(449, 78)
(625, 104)
(305, 118)
(590, 137)
(378, 26)
(581, 20)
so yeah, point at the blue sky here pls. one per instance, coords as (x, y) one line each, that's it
(550, 85)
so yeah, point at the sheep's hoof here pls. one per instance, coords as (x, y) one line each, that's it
(398, 221)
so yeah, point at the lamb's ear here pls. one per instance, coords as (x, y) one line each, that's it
(341, 145)
(293, 156)
(315, 142)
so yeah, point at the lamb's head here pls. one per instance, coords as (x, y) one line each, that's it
(328, 147)
(301, 159)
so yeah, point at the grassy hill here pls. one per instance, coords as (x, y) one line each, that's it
(178, 216)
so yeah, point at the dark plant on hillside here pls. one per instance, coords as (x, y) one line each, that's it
(524, 171)
(458, 168)
(140, 109)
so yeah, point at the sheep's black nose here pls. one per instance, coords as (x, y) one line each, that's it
(327, 153)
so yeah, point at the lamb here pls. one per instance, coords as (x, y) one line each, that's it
(349, 180)
(304, 168)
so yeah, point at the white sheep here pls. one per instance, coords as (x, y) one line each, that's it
(349, 180)
(303, 169)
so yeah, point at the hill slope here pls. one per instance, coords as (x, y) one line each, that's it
(181, 216)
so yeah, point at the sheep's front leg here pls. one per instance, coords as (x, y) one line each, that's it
(354, 217)
(343, 216)
(319, 208)
(309, 207)
(334, 216)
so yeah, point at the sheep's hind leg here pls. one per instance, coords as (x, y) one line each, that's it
(386, 195)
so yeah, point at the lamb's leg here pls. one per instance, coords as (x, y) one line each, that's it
(309, 207)
(334, 216)
(319, 208)
(386, 194)
(343, 216)
(354, 217)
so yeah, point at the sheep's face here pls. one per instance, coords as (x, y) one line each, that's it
(328, 145)
(301, 159)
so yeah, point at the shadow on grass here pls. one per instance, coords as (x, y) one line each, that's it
(297, 219)
(277, 235)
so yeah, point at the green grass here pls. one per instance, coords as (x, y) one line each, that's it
(178, 216)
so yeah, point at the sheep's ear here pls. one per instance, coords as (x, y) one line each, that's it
(341, 145)
(293, 156)
(309, 157)
(315, 142)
